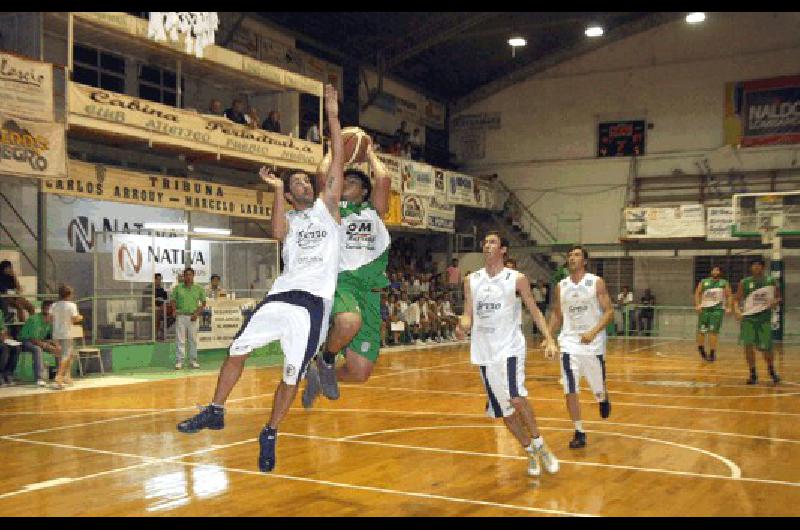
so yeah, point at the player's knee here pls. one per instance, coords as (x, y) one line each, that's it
(348, 324)
(518, 402)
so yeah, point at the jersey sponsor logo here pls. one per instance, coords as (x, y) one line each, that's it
(311, 237)
(290, 370)
(577, 310)
(589, 282)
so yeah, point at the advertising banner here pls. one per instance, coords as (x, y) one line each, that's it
(161, 123)
(137, 257)
(718, 223)
(221, 320)
(95, 181)
(687, 220)
(26, 88)
(762, 111)
(484, 193)
(459, 189)
(417, 178)
(440, 216)
(439, 185)
(413, 209)
(31, 148)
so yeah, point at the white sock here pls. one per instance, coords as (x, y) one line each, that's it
(537, 442)
(579, 426)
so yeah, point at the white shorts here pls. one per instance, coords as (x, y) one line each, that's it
(297, 318)
(503, 380)
(591, 366)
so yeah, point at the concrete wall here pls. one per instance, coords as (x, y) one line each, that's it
(673, 76)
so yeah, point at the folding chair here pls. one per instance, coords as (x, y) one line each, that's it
(84, 352)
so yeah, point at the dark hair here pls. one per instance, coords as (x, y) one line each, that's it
(64, 291)
(188, 269)
(717, 267)
(579, 247)
(363, 177)
(286, 177)
(760, 260)
(215, 276)
(46, 304)
(503, 241)
(3, 264)
(512, 261)
(158, 275)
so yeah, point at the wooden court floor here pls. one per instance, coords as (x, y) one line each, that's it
(684, 438)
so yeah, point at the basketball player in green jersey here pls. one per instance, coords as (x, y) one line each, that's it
(712, 300)
(364, 255)
(760, 295)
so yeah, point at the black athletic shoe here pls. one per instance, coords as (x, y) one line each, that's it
(712, 356)
(327, 379)
(207, 419)
(605, 408)
(752, 380)
(702, 353)
(313, 386)
(266, 453)
(578, 441)
(775, 377)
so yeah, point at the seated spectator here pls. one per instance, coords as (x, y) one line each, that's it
(273, 122)
(163, 313)
(36, 338)
(10, 286)
(312, 134)
(415, 286)
(406, 152)
(237, 112)
(425, 284)
(213, 290)
(9, 355)
(252, 117)
(432, 316)
(396, 149)
(394, 283)
(414, 320)
(399, 315)
(215, 108)
(448, 316)
(646, 312)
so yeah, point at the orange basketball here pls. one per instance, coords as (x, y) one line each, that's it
(356, 142)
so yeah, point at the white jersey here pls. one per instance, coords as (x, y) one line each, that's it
(62, 312)
(363, 236)
(310, 252)
(581, 311)
(496, 324)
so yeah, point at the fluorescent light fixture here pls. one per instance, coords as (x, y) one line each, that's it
(182, 227)
(695, 18)
(594, 31)
(517, 41)
(217, 231)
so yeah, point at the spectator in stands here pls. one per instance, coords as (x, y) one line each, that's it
(625, 303)
(35, 336)
(10, 353)
(273, 122)
(415, 287)
(414, 320)
(237, 112)
(401, 135)
(417, 146)
(215, 107)
(405, 284)
(425, 284)
(406, 152)
(162, 313)
(395, 283)
(448, 316)
(10, 286)
(396, 149)
(312, 133)
(646, 312)
(189, 300)
(453, 275)
(213, 290)
(401, 315)
(65, 314)
(253, 118)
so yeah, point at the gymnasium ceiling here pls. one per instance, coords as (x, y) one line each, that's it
(459, 57)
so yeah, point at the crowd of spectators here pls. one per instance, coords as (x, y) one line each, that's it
(249, 116)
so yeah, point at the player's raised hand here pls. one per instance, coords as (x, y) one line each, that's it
(270, 178)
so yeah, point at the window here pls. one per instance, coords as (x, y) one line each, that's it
(156, 84)
(97, 68)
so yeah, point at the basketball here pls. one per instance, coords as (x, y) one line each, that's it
(356, 142)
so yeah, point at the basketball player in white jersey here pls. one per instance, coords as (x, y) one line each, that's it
(582, 310)
(498, 347)
(297, 307)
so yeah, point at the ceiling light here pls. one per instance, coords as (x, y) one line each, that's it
(181, 227)
(594, 31)
(695, 18)
(517, 41)
(217, 231)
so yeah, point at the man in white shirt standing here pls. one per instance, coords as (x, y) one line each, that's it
(582, 309)
(498, 347)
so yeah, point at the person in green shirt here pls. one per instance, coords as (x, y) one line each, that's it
(35, 337)
(189, 300)
(712, 300)
(364, 255)
(760, 295)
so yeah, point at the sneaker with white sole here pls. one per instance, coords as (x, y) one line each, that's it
(179, 366)
(195, 364)
(548, 459)
(534, 469)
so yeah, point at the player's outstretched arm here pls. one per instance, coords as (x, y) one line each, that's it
(322, 172)
(737, 311)
(383, 184)
(524, 290)
(279, 226)
(697, 294)
(728, 299)
(555, 312)
(465, 321)
(335, 182)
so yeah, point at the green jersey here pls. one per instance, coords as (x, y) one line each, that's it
(187, 299)
(35, 328)
(364, 246)
(759, 293)
(712, 293)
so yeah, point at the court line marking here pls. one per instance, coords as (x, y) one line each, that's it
(736, 472)
(627, 403)
(404, 371)
(649, 346)
(176, 460)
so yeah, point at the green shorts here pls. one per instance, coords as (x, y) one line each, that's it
(757, 332)
(710, 320)
(352, 299)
